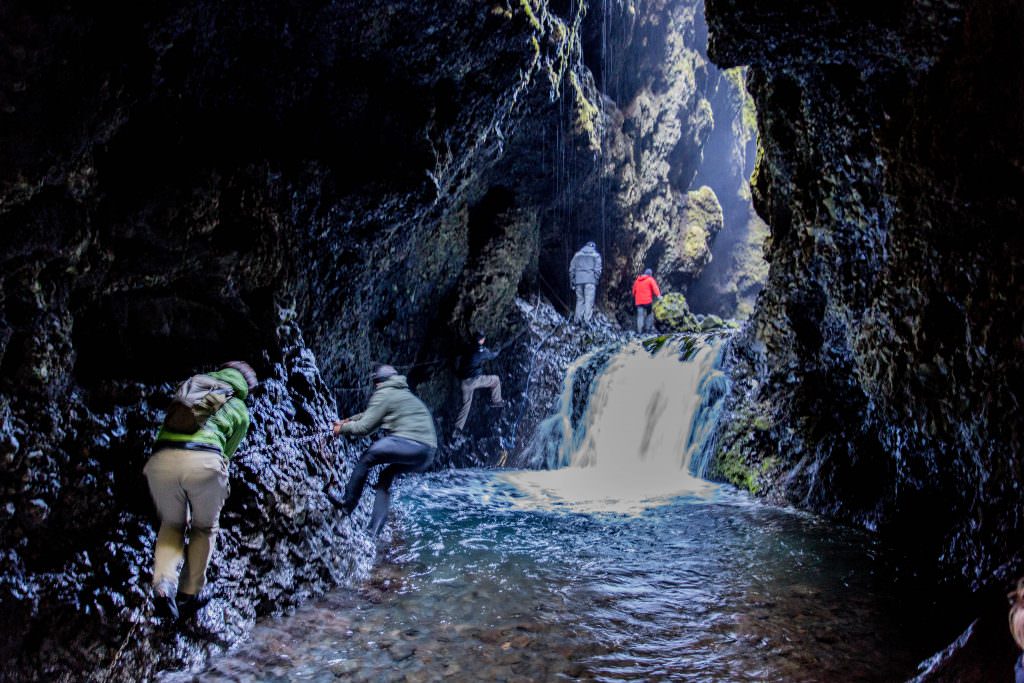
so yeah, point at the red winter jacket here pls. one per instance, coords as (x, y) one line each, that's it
(644, 290)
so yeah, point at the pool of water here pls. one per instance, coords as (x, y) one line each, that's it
(485, 580)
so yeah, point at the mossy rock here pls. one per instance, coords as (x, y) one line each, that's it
(701, 220)
(711, 322)
(733, 467)
(704, 209)
(673, 312)
(654, 344)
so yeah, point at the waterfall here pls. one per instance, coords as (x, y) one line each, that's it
(555, 438)
(644, 438)
(700, 445)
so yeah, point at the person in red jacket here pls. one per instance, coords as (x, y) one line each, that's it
(645, 291)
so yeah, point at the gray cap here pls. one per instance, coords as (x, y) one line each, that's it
(648, 272)
(383, 372)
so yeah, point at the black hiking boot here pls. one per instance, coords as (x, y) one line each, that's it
(189, 605)
(165, 607)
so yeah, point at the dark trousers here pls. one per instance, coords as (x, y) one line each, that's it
(641, 324)
(402, 456)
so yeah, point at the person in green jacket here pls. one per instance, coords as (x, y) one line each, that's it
(409, 446)
(188, 479)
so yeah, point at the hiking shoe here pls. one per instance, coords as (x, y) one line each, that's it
(189, 605)
(165, 607)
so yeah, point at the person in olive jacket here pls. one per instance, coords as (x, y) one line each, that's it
(188, 479)
(409, 446)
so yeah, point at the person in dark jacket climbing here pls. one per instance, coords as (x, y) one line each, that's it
(474, 378)
(409, 446)
(188, 479)
(645, 291)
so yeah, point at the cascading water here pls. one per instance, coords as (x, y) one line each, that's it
(555, 437)
(647, 423)
(712, 389)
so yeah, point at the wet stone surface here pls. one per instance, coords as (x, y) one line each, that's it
(482, 582)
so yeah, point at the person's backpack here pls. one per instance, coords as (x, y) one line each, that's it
(196, 399)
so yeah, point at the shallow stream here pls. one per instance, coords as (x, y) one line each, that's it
(622, 565)
(483, 584)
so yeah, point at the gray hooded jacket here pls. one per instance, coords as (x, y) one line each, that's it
(585, 268)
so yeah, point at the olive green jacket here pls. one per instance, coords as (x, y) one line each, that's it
(225, 428)
(398, 410)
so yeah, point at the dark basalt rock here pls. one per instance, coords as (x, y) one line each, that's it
(312, 186)
(180, 186)
(882, 362)
(532, 386)
(75, 573)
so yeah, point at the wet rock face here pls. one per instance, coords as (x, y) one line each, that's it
(670, 127)
(532, 379)
(882, 363)
(234, 147)
(665, 121)
(277, 182)
(76, 564)
(182, 186)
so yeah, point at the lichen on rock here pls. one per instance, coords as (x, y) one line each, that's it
(672, 313)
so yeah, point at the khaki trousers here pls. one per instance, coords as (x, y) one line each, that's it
(189, 489)
(472, 384)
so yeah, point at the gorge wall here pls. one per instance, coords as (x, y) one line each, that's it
(664, 180)
(181, 186)
(313, 186)
(879, 378)
(316, 186)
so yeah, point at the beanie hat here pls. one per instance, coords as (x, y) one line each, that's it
(246, 371)
(383, 372)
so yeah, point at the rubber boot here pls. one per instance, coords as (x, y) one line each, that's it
(381, 503)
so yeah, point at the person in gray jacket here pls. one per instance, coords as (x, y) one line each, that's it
(409, 446)
(584, 272)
